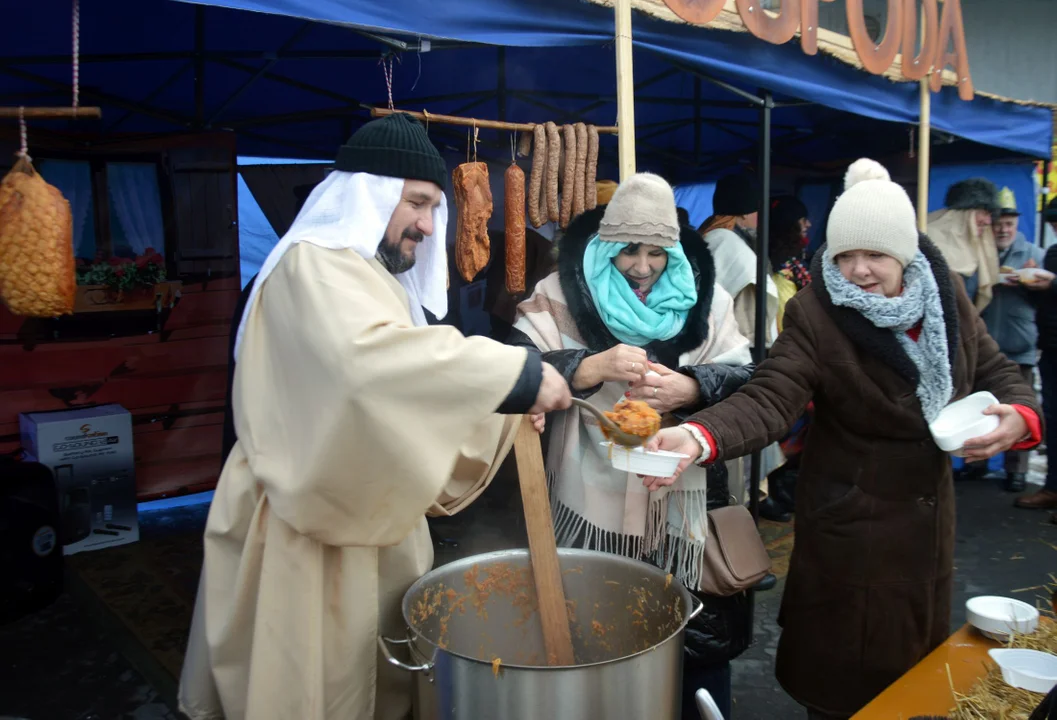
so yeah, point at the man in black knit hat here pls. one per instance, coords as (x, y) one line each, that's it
(354, 418)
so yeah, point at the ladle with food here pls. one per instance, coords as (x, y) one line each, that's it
(631, 423)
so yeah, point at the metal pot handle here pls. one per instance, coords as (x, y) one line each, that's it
(384, 642)
(697, 610)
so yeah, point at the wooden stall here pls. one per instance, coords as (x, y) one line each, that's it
(160, 352)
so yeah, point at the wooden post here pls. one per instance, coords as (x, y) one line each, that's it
(625, 90)
(924, 147)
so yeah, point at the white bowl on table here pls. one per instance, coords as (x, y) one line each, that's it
(1027, 669)
(962, 421)
(997, 617)
(637, 460)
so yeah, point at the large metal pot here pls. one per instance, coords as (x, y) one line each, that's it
(627, 620)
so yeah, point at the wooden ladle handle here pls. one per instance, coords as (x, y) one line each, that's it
(543, 549)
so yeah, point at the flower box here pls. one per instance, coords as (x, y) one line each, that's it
(124, 284)
(101, 298)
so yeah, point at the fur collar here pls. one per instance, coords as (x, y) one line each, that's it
(593, 331)
(882, 343)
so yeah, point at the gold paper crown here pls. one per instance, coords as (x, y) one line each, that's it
(1006, 200)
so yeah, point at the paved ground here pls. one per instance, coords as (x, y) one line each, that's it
(67, 663)
(1000, 551)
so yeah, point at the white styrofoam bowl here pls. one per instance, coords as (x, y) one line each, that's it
(636, 460)
(964, 420)
(997, 616)
(1032, 274)
(1027, 669)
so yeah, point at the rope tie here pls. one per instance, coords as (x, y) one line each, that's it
(387, 71)
(24, 146)
(76, 52)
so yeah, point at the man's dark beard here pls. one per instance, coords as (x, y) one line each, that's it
(392, 259)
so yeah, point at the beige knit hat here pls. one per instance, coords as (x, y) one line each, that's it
(873, 213)
(642, 211)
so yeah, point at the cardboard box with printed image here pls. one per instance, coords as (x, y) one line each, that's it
(89, 451)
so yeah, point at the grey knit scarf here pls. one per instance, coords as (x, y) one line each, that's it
(920, 301)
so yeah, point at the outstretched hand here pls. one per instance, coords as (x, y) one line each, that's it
(1011, 430)
(676, 440)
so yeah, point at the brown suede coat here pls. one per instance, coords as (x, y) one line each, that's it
(869, 587)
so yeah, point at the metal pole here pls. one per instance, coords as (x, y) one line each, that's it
(1047, 168)
(924, 149)
(759, 350)
(762, 230)
(625, 90)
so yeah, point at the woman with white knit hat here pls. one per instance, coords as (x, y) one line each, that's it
(883, 339)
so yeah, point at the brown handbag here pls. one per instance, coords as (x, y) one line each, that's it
(735, 558)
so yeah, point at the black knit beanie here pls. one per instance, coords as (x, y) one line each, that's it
(393, 146)
(736, 194)
(786, 213)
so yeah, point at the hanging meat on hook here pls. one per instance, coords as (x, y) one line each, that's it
(514, 215)
(535, 191)
(524, 146)
(473, 202)
(590, 188)
(568, 175)
(554, 155)
(580, 173)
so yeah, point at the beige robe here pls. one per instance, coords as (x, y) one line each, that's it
(967, 250)
(352, 424)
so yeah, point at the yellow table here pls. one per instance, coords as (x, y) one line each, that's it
(925, 689)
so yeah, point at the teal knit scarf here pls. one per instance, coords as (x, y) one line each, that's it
(631, 320)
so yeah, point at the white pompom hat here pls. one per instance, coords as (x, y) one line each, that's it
(873, 213)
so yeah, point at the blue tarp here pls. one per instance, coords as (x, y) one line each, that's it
(291, 88)
(736, 57)
(697, 200)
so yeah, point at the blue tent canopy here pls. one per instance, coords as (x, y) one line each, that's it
(293, 88)
(737, 57)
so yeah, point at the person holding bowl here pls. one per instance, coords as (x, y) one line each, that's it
(883, 339)
(634, 311)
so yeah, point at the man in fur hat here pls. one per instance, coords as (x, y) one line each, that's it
(962, 231)
(1010, 316)
(354, 418)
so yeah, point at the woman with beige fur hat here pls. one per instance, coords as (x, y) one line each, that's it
(634, 311)
(883, 339)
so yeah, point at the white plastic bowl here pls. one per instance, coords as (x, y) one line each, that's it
(636, 460)
(1032, 274)
(1027, 669)
(996, 616)
(964, 420)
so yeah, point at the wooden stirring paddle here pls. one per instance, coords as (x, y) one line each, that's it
(543, 550)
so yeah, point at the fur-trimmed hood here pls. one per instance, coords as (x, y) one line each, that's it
(880, 342)
(973, 194)
(595, 334)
